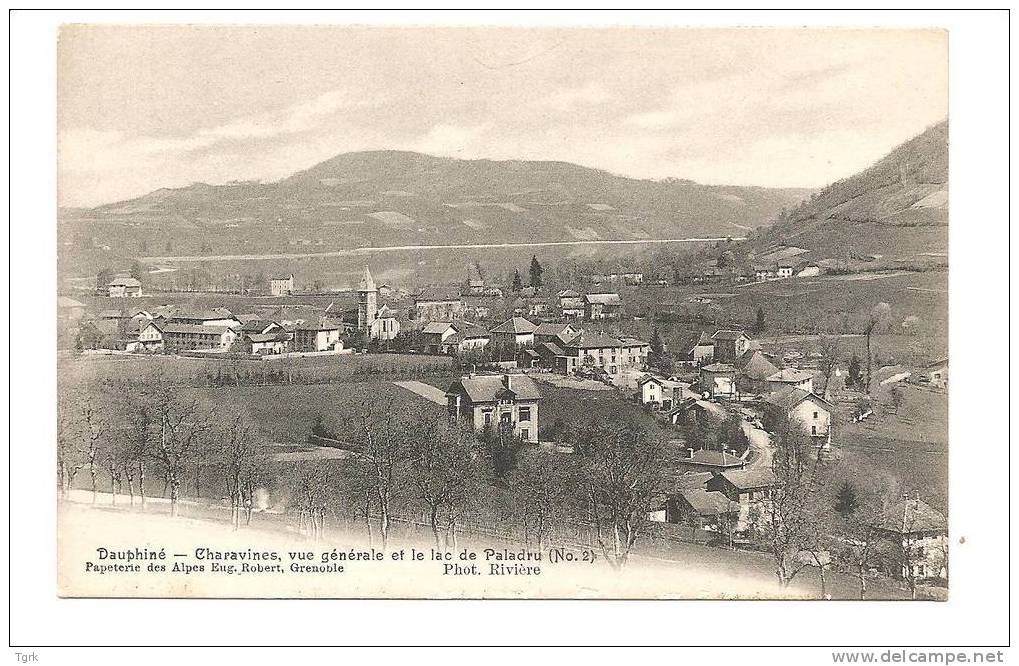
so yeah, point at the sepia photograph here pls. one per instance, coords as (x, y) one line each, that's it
(479, 312)
(467, 328)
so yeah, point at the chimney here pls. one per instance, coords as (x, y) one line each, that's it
(507, 379)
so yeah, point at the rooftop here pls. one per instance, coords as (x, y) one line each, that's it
(592, 340)
(604, 299)
(790, 396)
(124, 282)
(751, 478)
(192, 328)
(708, 502)
(719, 459)
(729, 334)
(517, 325)
(436, 327)
(367, 283)
(486, 388)
(755, 365)
(790, 376)
(912, 515)
(553, 328)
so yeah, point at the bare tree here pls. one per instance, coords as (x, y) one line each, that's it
(541, 484)
(93, 427)
(898, 396)
(877, 317)
(182, 427)
(76, 436)
(830, 348)
(621, 461)
(443, 468)
(861, 540)
(382, 436)
(793, 519)
(244, 461)
(136, 438)
(313, 495)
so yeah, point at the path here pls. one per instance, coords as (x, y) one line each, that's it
(406, 248)
(426, 391)
(760, 442)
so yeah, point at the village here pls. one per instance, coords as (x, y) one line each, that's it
(721, 400)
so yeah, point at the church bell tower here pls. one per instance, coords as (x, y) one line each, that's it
(367, 303)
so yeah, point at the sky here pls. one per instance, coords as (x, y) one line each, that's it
(141, 108)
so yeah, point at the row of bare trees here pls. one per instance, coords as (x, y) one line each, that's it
(129, 428)
(133, 433)
(455, 474)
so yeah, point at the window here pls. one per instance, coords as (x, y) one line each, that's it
(525, 413)
(815, 415)
(525, 433)
(813, 430)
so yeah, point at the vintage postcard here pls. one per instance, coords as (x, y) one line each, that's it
(462, 312)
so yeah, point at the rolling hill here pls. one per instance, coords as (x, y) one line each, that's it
(895, 211)
(389, 197)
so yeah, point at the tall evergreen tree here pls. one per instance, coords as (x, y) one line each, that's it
(853, 376)
(759, 323)
(657, 346)
(104, 277)
(518, 283)
(536, 271)
(138, 271)
(845, 500)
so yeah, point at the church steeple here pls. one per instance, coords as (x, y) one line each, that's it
(367, 283)
(367, 303)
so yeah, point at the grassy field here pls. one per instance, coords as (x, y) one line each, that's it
(303, 370)
(911, 445)
(285, 413)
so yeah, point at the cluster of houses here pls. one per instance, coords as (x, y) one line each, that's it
(539, 331)
(732, 368)
(218, 330)
(557, 346)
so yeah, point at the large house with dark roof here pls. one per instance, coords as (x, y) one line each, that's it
(753, 368)
(191, 337)
(811, 412)
(571, 304)
(508, 402)
(514, 332)
(593, 349)
(442, 303)
(917, 537)
(318, 335)
(443, 337)
(729, 344)
(124, 286)
(558, 333)
(602, 306)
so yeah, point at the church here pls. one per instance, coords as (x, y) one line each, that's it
(373, 322)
